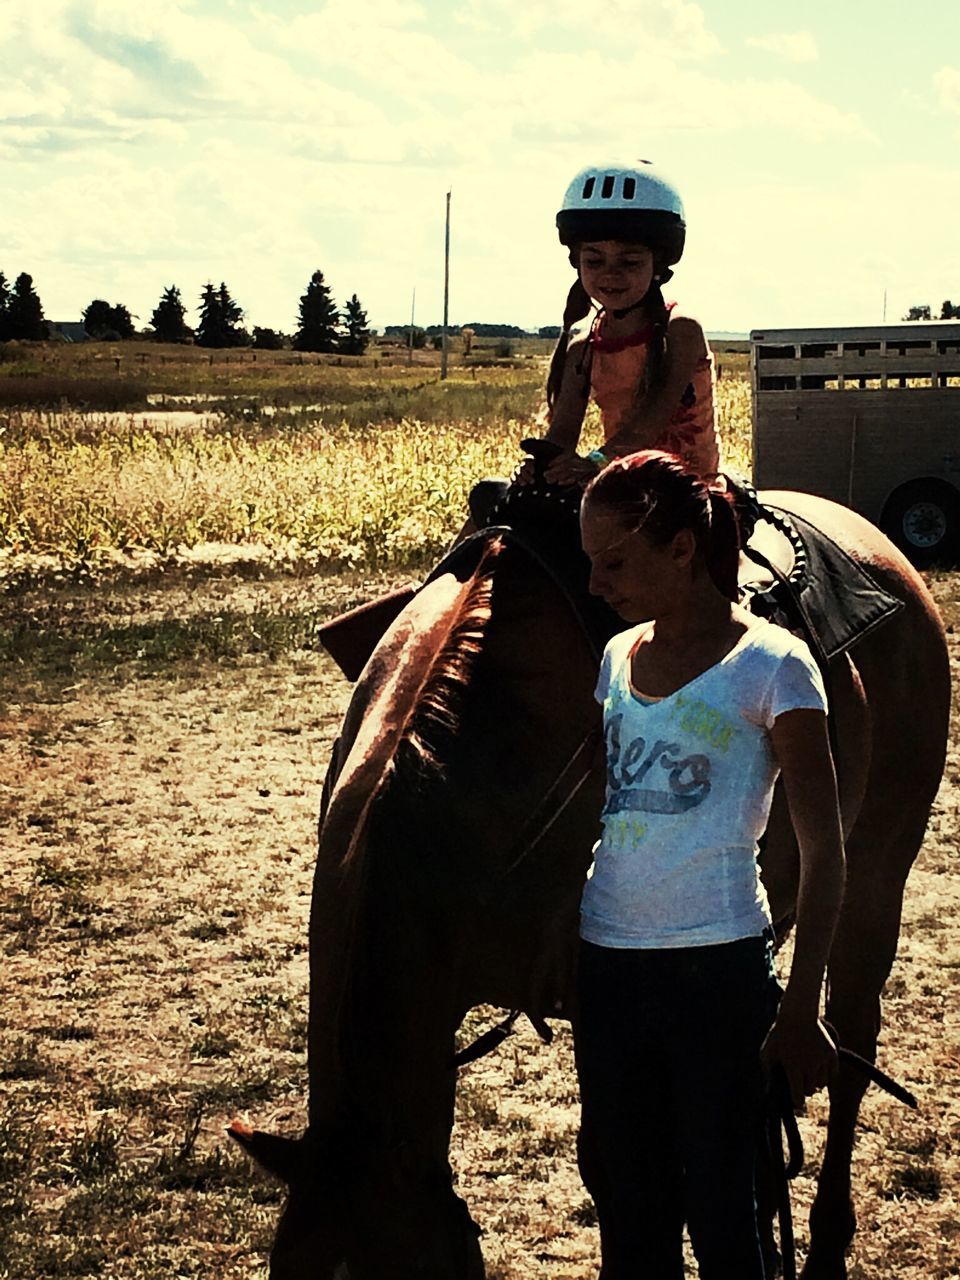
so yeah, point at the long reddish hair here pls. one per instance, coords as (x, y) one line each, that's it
(578, 306)
(655, 492)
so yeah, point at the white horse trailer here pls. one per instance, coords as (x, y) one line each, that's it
(870, 417)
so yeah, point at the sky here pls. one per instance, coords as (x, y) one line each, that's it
(147, 143)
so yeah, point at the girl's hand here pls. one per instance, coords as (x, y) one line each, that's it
(803, 1047)
(570, 469)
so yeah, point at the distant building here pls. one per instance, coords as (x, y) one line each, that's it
(67, 331)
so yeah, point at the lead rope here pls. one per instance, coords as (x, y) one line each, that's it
(781, 1116)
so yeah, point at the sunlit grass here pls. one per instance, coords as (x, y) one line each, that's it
(375, 474)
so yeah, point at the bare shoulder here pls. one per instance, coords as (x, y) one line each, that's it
(577, 340)
(566, 413)
(685, 335)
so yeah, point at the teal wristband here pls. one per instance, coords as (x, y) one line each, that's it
(599, 457)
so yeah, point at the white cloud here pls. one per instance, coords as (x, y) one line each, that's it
(795, 46)
(780, 253)
(947, 82)
(677, 27)
(175, 142)
(131, 66)
(646, 104)
(376, 46)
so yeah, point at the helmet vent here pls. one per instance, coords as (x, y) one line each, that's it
(588, 187)
(606, 191)
(629, 188)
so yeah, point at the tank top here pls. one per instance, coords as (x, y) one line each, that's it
(617, 368)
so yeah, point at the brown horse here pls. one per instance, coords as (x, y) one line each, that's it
(461, 807)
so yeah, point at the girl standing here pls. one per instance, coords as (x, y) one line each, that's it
(646, 363)
(704, 705)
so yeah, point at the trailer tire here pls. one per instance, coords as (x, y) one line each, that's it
(922, 518)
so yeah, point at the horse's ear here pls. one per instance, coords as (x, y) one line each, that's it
(280, 1156)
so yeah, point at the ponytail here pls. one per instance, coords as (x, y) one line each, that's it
(723, 548)
(578, 306)
(655, 492)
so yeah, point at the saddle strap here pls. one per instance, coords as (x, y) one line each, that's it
(562, 790)
(795, 605)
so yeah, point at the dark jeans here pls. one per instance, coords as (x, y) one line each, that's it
(671, 1089)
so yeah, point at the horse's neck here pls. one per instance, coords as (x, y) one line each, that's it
(412, 845)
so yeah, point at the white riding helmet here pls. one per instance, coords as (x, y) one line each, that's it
(631, 203)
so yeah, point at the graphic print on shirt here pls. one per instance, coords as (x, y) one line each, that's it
(661, 775)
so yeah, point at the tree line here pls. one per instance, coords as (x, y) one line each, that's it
(418, 337)
(321, 325)
(21, 312)
(947, 312)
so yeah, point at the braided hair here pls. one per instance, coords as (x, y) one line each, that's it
(655, 492)
(656, 367)
(578, 306)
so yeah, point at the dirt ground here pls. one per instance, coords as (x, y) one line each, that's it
(163, 749)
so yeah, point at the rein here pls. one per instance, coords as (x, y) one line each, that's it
(781, 1123)
(552, 804)
(572, 776)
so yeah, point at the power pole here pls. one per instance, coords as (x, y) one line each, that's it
(413, 308)
(446, 293)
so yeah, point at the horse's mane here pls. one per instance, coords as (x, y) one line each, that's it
(419, 722)
(435, 713)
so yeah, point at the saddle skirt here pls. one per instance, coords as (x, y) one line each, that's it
(790, 568)
(790, 573)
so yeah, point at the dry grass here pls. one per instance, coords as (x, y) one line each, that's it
(164, 745)
(373, 474)
(163, 752)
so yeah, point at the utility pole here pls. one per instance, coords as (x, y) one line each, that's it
(446, 293)
(413, 308)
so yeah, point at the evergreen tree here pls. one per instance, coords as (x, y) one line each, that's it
(122, 321)
(4, 308)
(208, 330)
(319, 318)
(220, 319)
(25, 312)
(168, 317)
(231, 314)
(356, 336)
(267, 339)
(105, 322)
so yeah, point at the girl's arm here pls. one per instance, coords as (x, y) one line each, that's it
(566, 416)
(797, 1039)
(686, 346)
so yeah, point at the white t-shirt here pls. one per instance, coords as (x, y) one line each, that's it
(690, 780)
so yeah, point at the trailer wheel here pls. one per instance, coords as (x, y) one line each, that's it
(923, 519)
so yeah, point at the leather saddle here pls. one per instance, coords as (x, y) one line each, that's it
(790, 572)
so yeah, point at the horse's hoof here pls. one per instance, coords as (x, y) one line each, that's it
(817, 1267)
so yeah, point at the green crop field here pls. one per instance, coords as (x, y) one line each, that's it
(323, 465)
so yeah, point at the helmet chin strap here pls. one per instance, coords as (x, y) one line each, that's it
(658, 279)
(620, 312)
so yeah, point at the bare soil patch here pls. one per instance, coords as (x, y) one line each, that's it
(163, 752)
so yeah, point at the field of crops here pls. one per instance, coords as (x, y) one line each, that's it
(166, 718)
(369, 469)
